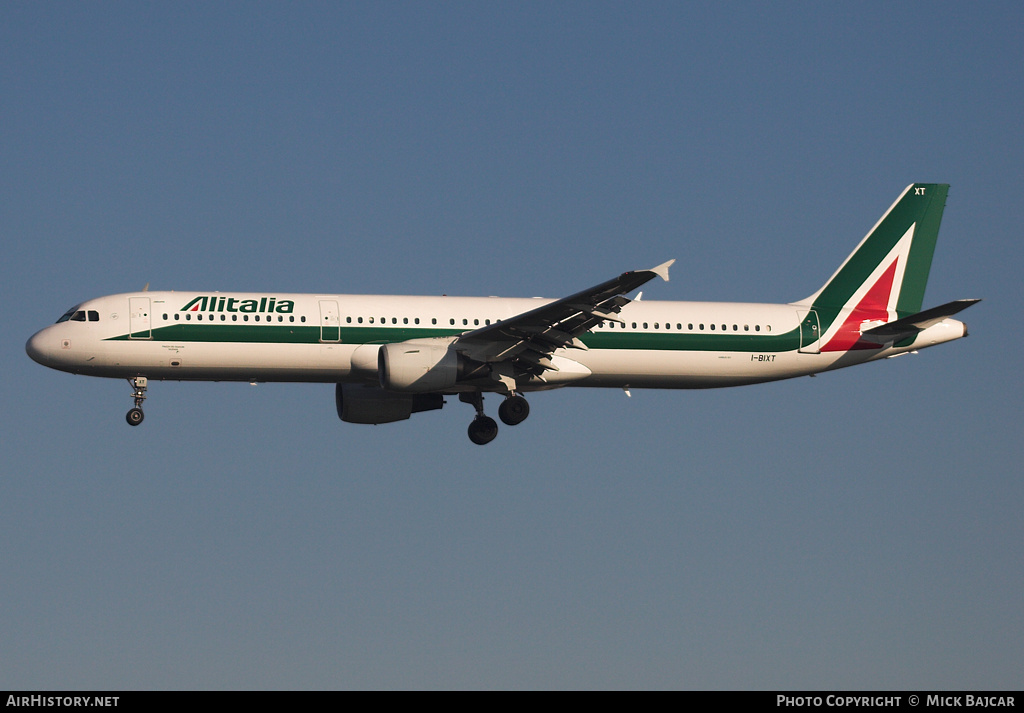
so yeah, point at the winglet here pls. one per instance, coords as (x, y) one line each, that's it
(662, 269)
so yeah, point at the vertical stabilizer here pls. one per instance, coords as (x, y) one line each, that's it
(888, 271)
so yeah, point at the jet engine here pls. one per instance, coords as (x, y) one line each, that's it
(358, 403)
(418, 365)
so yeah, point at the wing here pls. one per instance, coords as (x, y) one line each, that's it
(525, 344)
(910, 326)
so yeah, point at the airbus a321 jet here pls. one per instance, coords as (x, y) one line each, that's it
(392, 356)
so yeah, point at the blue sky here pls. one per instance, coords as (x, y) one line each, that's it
(858, 530)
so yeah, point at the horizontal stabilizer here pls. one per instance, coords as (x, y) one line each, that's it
(909, 326)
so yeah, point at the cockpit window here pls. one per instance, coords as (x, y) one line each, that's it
(79, 315)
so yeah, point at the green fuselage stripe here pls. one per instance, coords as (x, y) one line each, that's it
(292, 334)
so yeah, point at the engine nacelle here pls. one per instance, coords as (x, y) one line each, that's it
(418, 365)
(364, 361)
(371, 404)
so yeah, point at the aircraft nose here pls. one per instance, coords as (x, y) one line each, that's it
(36, 347)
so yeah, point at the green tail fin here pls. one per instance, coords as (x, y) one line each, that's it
(889, 269)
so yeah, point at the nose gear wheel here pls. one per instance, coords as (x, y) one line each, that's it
(134, 416)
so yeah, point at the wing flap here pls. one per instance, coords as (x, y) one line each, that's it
(528, 338)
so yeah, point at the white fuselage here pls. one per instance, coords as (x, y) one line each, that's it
(318, 338)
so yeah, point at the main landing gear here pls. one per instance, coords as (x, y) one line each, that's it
(513, 410)
(134, 416)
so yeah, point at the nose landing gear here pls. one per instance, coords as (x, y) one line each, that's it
(134, 416)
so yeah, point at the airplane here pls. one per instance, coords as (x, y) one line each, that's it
(391, 356)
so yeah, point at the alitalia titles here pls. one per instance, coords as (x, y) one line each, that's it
(218, 303)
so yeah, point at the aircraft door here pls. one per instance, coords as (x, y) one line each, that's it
(330, 321)
(810, 333)
(139, 321)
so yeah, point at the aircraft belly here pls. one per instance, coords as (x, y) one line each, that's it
(691, 369)
(222, 361)
(264, 362)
